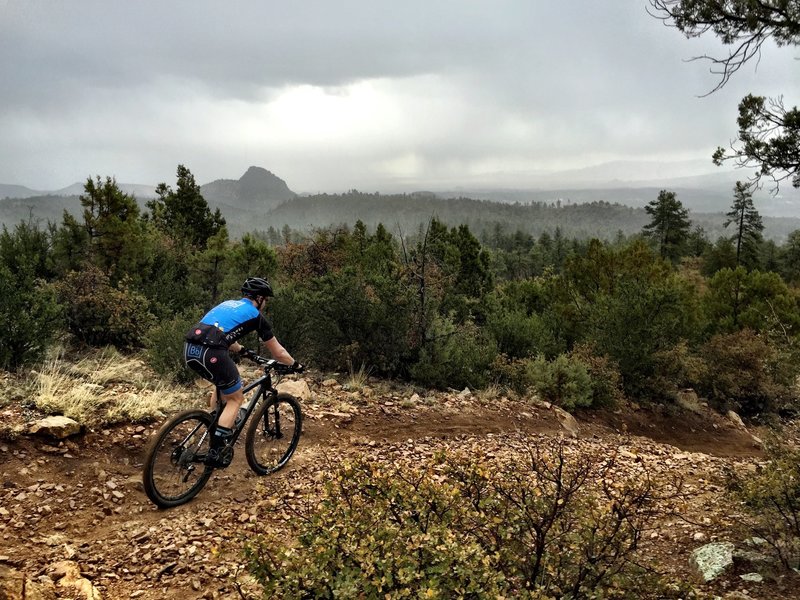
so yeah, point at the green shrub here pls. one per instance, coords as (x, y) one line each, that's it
(742, 373)
(771, 497)
(578, 379)
(676, 368)
(512, 373)
(564, 381)
(345, 317)
(29, 319)
(540, 522)
(455, 357)
(519, 335)
(100, 313)
(603, 373)
(164, 347)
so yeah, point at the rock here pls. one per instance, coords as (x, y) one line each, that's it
(752, 577)
(16, 586)
(688, 399)
(736, 420)
(329, 383)
(750, 559)
(299, 389)
(12, 583)
(68, 575)
(415, 398)
(711, 560)
(567, 421)
(58, 427)
(464, 393)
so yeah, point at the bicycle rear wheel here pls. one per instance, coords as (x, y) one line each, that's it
(174, 472)
(273, 434)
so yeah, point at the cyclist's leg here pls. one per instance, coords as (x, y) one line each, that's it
(233, 401)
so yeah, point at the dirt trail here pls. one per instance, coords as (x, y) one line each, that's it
(84, 503)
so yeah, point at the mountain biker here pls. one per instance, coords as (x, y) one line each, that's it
(206, 351)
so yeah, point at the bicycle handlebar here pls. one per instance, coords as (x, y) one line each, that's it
(269, 364)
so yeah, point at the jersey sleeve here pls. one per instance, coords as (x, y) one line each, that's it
(264, 329)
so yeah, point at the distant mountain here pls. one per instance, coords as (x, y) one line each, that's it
(256, 190)
(259, 200)
(17, 191)
(135, 189)
(709, 194)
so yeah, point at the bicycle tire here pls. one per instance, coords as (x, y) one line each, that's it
(266, 445)
(166, 473)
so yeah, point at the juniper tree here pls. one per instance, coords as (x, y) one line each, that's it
(749, 226)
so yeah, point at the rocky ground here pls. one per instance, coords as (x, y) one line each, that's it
(75, 523)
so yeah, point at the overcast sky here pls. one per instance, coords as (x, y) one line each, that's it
(370, 95)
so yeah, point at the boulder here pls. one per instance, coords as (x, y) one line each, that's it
(688, 400)
(736, 420)
(16, 586)
(68, 575)
(568, 422)
(711, 560)
(299, 389)
(12, 583)
(58, 427)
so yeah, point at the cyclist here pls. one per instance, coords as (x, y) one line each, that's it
(207, 348)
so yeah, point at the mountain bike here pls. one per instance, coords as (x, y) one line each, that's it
(174, 465)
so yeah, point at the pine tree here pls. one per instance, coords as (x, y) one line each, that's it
(670, 225)
(749, 226)
(114, 230)
(184, 213)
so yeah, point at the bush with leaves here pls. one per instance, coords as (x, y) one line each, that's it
(346, 317)
(30, 318)
(606, 380)
(579, 379)
(744, 376)
(455, 356)
(164, 347)
(100, 313)
(542, 521)
(564, 381)
(771, 497)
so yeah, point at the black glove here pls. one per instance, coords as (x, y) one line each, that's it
(246, 353)
(297, 367)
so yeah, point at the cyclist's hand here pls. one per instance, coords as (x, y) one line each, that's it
(297, 367)
(244, 352)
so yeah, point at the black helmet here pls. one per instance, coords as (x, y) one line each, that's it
(256, 286)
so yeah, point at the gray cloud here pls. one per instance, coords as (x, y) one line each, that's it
(354, 93)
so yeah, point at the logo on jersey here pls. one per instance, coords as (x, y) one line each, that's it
(213, 359)
(194, 350)
(197, 332)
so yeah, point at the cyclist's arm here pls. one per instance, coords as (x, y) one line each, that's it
(278, 352)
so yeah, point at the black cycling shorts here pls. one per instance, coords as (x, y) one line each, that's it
(213, 364)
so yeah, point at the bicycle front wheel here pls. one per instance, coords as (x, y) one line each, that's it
(174, 472)
(273, 434)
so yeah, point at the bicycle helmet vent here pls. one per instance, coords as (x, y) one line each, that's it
(256, 286)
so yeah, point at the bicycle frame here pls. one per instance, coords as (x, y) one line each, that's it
(265, 389)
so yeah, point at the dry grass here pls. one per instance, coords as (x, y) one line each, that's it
(357, 379)
(103, 388)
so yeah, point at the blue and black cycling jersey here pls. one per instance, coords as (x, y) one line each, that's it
(227, 322)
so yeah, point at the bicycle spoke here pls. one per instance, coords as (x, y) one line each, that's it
(273, 437)
(173, 473)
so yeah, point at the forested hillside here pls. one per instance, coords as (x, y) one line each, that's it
(249, 204)
(583, 321)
